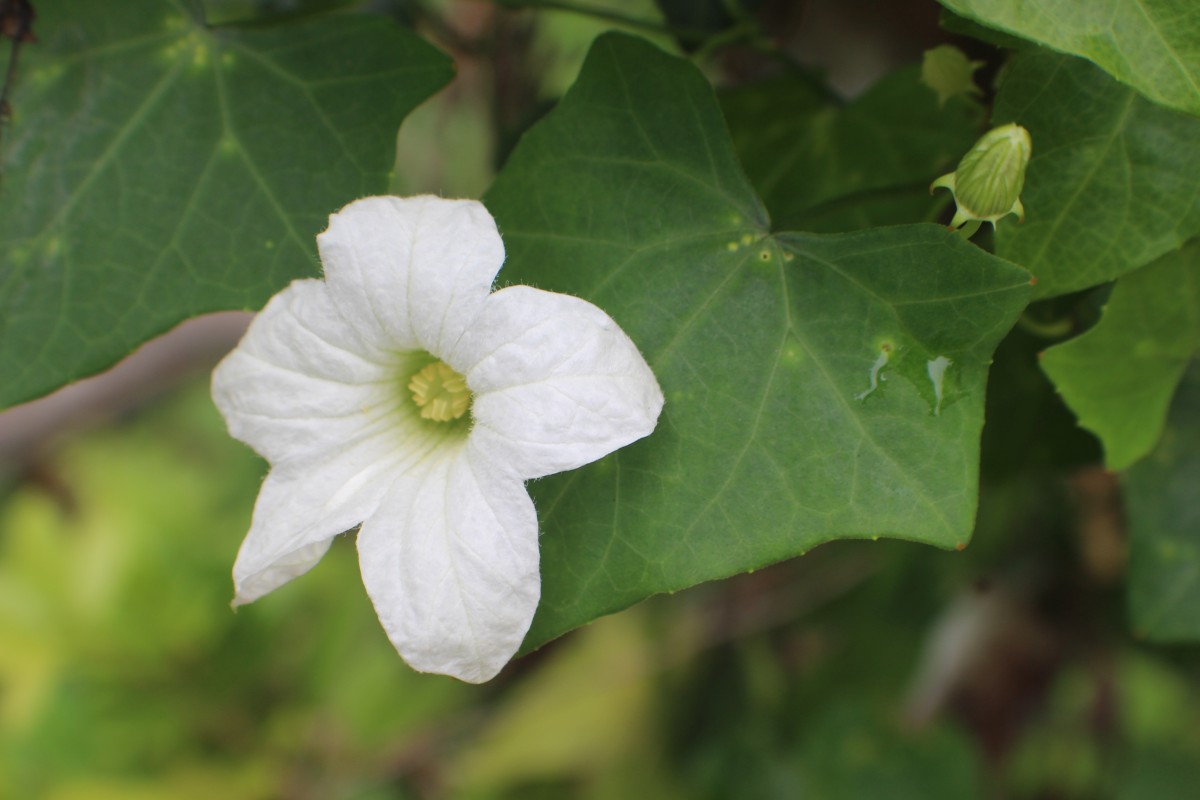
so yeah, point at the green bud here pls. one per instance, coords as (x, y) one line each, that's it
(988, 182)
(949, 72)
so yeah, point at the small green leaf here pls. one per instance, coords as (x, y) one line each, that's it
(1151, 45)
(155, 169)
(1119, 376)
(1164, 517)
(1111, 185)
(822, 166)
(817, 387)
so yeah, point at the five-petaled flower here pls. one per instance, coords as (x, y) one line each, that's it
(403, 394)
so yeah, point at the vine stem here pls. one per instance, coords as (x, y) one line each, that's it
(8, 80)
(17, 24)
(1052, 329)
(969, 229)
(746, 31)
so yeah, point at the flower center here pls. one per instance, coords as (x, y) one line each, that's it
(440, 392)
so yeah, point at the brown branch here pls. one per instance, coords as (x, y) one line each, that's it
(16, 23)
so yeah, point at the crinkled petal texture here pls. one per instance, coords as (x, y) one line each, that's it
(450, 561)
(557, 384)
(411, 271)
(331, 417)
(318, 386)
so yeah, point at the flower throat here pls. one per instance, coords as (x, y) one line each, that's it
(440, 392)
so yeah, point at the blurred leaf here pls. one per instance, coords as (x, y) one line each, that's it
(1157, 773)
(561, 39)
(817, 387)
(122, 667)
(224, 12)
(1158, 702)
(850, 753)
(821, 166)
(1164, 518)
(1029, 427)
(1151, 45)
(1119, 376)
(578, 715)
(698, 19)
(726, 720)
(185, 782)
(1111, 185)
(156, 169)
(1061, 757)
(1161, 703)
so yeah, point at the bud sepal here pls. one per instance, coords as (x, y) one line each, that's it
(988, 181)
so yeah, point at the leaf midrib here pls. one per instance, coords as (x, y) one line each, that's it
(1183, 70)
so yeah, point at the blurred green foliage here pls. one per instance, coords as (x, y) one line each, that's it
(123, 670)
(124, 674)
(863, 670)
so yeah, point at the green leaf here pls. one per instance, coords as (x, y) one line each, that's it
(1111, 185)
(1151, 45)
(1164, 517)
(961, 26)
(823, 166)
(817, 387)
(156, 169)
(1119, 376)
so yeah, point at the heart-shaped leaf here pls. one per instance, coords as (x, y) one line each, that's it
(823, 166)
(1119, 377)
(1160, 499)
(817, 386)
(1151, 45)
(155, 169)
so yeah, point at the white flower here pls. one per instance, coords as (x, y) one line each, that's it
(401, 393)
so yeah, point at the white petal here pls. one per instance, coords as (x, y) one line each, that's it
(300, 383)
(283, 543)
(450, 561)
(557, 383)
(299, 510)
(332, 416)
(298, 516)
(301, 507)
(414, 270)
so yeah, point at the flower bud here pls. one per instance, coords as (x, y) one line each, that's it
(949, 72)
(987, 184)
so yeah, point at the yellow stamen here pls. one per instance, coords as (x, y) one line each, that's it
(440, 392)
